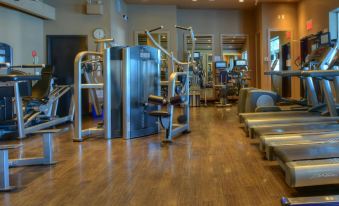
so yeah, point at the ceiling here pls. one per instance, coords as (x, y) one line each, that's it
(202, 4)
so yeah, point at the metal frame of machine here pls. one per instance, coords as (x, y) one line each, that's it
(171, 128)
(24, 122)
(306, 158)
(6, 163)
(120, 67)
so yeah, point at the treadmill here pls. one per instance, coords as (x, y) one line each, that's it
(312, 164)
(311, 93)
(323, 55)
(307, 135)
(273, 121)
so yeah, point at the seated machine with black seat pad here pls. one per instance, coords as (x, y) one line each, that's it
(166, 116)
(174, 96)
(38, 112)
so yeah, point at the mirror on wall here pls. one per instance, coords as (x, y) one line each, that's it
(203, 56)
(234, 47)
(163, 39)
(280, 60)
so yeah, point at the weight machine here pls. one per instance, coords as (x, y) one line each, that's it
(129, 76)
(174, 97)
(35, 107)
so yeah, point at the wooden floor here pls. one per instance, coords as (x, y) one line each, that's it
(214, 165)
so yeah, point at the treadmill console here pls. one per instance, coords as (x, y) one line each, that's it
(220, 65)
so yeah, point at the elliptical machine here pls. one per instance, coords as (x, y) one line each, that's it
(175, 96)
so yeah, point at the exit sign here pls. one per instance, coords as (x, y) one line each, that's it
(309, 25)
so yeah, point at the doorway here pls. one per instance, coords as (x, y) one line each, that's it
(61, 52)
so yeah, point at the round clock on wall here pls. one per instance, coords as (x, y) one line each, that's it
(99, 33)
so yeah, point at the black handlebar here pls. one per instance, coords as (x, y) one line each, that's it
(182, 28)
(28, 66)
(156, 29)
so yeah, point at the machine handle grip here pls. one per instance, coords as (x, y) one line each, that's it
(26, 66)
(156, 29)
(182, 28)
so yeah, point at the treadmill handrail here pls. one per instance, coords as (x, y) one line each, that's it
(291, 73)
(320, 73)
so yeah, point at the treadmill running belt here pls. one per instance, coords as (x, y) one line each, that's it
(290, 153)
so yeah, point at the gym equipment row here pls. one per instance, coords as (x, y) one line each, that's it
(303, 141)
(131, 87)
(231, 80)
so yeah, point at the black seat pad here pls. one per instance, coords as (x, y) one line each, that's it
(159, 113)
(15, 78)
(307, 152)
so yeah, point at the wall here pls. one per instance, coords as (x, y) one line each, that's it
(143, 17)
(24, 33)
(217, 22)
(316, 10)
(72, 20)
(119, 26)
(271, 18)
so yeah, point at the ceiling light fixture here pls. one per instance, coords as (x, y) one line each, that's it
(241, 1)
(194, 0)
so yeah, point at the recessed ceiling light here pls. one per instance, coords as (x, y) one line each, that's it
(241, 1)
(194, 0)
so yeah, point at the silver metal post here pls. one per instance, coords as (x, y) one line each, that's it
(107, 94)
(311, 91)
(126, 95)
(187, 103)
(77, 99)
(331, 106)
(78, 95)
(93, 94)
(48, 148)
(4, 171)
(19, 111)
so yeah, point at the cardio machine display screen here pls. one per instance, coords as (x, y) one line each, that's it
(240, 63)
(2, 56)
(196, 55)
(220, 65)
(325, 39)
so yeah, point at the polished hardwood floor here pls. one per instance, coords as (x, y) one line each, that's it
(213, 165)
